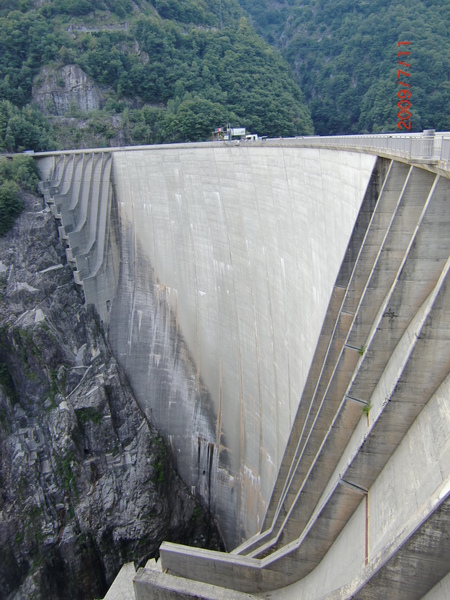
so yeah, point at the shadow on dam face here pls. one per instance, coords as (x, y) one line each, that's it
(218, 268)
(148, 342)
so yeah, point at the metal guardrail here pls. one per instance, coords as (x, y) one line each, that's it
(445, 149)
(427, 147)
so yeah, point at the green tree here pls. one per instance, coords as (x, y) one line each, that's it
(23, 129)
(10, 205)
(22, 170)
(15, 175)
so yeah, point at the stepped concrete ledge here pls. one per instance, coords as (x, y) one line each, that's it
(122, 587)
(151, 585)
(281, 308)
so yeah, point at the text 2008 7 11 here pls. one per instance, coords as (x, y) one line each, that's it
(404, 94)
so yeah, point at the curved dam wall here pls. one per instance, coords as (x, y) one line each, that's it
(224, 259)
(235, 252)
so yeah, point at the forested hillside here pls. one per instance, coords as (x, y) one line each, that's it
(344, 57)
(173, 70)
(161, 70)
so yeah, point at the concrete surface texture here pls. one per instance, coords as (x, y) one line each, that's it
(122, 587)
(237, 250)
(282, 310)
(441, 591)
(151, 585)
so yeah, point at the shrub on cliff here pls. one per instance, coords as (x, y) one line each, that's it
(10, 205)
(16, 175)
(22, 170)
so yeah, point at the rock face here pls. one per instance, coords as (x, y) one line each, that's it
(86, 481)
(58, 91)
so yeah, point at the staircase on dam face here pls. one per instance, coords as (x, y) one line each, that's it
(382, 361)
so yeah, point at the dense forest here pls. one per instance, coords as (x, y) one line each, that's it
(344, 57)
(172, 71)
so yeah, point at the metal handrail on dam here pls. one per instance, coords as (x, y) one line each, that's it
(425, 148)
(282, 309)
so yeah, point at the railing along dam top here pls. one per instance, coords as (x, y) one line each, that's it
(429, 148)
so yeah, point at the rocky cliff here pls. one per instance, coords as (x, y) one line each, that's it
(58, 91)
(86, 481)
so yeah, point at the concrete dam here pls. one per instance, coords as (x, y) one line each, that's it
(281, 309)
